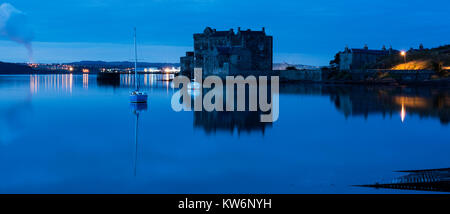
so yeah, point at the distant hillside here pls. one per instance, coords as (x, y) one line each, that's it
(122, 64)
(433, 59)
(284, 66)
(13, 68)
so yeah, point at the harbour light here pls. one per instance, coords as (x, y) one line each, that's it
(403, 113)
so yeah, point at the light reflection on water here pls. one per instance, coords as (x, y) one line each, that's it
(147, 80)
(72, 134)
(58, 82)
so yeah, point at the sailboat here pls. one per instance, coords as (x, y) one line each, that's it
(137, 96)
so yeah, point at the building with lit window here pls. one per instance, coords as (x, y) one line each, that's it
(352, 59)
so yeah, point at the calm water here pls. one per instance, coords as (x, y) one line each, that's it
(70, 134)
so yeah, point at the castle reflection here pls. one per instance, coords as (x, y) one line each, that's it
(351, 101)
(245, 121)
(358, 100)
(229, 121)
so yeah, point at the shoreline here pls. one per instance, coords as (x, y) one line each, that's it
(292, 80)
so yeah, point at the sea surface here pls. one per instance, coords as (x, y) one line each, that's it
(73, 134)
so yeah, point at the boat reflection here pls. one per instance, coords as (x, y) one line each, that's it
(137, 108)
(422, 180)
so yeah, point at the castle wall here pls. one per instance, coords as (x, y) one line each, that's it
(187, 65)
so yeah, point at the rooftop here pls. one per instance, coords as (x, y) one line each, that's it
(215, 33)
(368, 51)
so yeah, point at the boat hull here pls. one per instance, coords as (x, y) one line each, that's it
(138, 107)
(138, 98)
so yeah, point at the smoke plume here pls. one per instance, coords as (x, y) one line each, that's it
(14, 25)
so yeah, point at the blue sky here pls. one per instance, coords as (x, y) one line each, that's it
(305, 32)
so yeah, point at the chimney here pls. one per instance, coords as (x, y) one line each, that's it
(239, 29)
(366, 47)
(383, 48)
(263, 29)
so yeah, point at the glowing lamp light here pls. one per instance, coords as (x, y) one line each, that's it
(403, 53)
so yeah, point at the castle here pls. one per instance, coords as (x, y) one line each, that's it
(225, 53)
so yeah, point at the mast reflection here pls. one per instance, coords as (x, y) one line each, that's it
(137, 108)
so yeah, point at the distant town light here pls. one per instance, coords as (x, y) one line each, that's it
(85, 70)
(171, 69)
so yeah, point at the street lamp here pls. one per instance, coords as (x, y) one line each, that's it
(403, 53)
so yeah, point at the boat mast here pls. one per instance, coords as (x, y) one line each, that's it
(135, 62)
